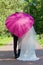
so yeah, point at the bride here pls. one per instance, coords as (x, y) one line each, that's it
(27, 45)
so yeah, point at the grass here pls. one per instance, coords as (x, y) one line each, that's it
(40, 40)
(4, 40)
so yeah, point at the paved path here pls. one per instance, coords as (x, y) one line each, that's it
(7, 58)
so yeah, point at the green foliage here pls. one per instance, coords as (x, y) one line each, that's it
(8, 7)
(34, 7)
(39, 38)
(5, 39)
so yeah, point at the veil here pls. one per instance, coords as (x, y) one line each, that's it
(27, 36)
(27, 46)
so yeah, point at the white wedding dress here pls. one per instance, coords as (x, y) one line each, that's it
(27, 45)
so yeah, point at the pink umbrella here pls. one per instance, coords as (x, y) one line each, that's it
(19, 23)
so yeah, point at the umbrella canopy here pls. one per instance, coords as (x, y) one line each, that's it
(19, 23)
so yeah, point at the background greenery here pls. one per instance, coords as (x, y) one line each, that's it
(5, 40)
(34, 7)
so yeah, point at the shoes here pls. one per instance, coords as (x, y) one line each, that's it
(19, 52)
(16, 55)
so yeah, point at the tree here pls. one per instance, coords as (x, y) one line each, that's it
(35, 8)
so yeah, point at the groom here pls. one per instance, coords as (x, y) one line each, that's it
(15, 38)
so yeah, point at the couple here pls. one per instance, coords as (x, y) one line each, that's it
(20, 24)
(26, 46)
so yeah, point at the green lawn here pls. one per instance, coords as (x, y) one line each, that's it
(41, 42)
(5, 40)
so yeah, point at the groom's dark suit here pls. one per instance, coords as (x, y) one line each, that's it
(15, 38)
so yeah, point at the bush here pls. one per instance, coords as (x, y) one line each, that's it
(33, 7)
